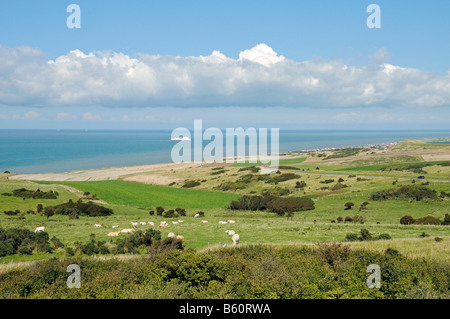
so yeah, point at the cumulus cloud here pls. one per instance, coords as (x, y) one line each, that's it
(259, 77)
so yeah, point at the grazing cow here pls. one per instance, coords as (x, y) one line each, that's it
(98, 225)
(38, 229)
(222, 222)
(115, 226)
(151, 223)
(162, 226)
(180, 221)
(231, 221)
(174, 223)
(171, 235)
(143, 223)
(134, 224)
(230, 232)
(235, 239)
(204, 221)
(164, 223)
(179, 237)
(196, 215)
(114, 234)
(126, 230)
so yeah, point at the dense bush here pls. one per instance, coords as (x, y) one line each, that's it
(417, 193)
(365, 235)
(279, 205)
(23, 241)
(190, 184)
(81, 209)
(407, 220)
(249, 272)
(37, 194)
(427, 220)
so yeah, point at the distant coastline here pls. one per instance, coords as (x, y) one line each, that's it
(56, 151)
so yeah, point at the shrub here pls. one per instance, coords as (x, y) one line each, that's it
(351, 237)
(348, 205)
(365, 235)
(338, 186)
(383, 237)
(416, 193)
(407, 220)
(170, 214)
(166, 245)
(159, 211)
(278, 205)
(190, 184)
(428, 220)
(89, 209)
(38, 194)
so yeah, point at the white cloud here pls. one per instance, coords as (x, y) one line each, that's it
(31, 115)
(259, 77)
(64, 116)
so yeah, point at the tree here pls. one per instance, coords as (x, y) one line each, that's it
(348, 205)
(407, 220)
(48, 213)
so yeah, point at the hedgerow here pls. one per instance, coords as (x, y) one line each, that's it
(248, 272)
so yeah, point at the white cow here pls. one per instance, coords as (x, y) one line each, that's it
(113, 234)
(163, 223)
(204, 221)
(196, 215)
(134, 224)
(98, 225)
(179, 237)
(222, 222)
(126, 230)
(171, 235)
(115, 226)
(231, 221)
(143, 223)
(39, 229)
(235, 239)
(174, 223)
(151, 223)
(180, 221)
(230, 232)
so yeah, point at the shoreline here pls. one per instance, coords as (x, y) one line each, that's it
(116, 172)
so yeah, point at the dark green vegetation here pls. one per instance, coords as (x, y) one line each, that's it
(278, 205)
(37, 194)
(427, 220)
(78, 208)
(325, 271)
(416, 193)
(24, 242)
(365, 235)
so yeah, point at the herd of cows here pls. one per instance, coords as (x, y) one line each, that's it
(162, 225)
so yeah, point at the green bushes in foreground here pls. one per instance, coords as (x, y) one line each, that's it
(325, 271)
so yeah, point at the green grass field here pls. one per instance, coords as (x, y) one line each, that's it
(132, 201)
(129, 193)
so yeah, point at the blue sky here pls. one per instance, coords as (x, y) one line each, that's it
(303, 40)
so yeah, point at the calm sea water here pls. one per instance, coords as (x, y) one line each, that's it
(59, 151)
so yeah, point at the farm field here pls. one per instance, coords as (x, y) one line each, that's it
(132, 202)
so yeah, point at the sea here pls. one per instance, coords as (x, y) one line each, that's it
(43, 151)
